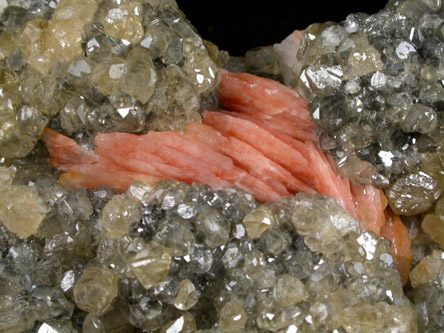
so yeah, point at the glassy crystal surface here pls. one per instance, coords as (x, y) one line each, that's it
(21, 209)
(95, 290)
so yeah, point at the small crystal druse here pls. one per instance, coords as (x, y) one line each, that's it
(172, 257)
(301, 262)
(375, 87)
(95, 66)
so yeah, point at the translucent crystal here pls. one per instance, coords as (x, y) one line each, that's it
(288, 290)
(150, 314)
(232, 317)
(201, 70)
(82, 10)
(176, 237)
(151, 264)
(107, 75)
(363, 58)
(321, 218)
(413, 194)
(8, 42)
(45, 43)
(187, 296)
(258, 221)
(124, 22)
(75, 205)
(114, 319)
(420, 118)
(6, 176)
(184, 323)
(427, 269)
(118, 214)
(214, 226)
(379, 317)
(95, 290)
(73, 116)
(139, 79)
(434, 226)
(175, 102)
(21, 209)
(41, 91)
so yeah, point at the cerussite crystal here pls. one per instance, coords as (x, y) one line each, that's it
(21, 209)
(258, 221)
(151, 264)
(187, 296)
(118, 214)
(95, 290)
(83, 10)
(45, 43)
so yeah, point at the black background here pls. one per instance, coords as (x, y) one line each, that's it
(237, 26)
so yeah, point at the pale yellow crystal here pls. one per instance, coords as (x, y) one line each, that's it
(184, 323)
(107, 75)
(427, 269)
(201, 70)
(187, 295)
(124, 22)
(363, 58)
(95, 290)
(258, 221)
(21, 209)
(118, 214)
(45, 43)
(151, 265)
(6, 176)
(288, 290)
(232, 317)
(83, 10)
(434, 226)
(140, 76)
(380, 317)
(8, 42)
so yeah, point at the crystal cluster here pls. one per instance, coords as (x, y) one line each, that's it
(94, 66)
(178, 258)
(374, 83)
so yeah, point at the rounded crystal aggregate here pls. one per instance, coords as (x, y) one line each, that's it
(91, 66)
(301, 262)
(374, 83)
(154, 263)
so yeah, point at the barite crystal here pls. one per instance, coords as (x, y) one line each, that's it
(21, 209)
(95, 290)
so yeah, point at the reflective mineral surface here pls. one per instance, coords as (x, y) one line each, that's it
(173, 258)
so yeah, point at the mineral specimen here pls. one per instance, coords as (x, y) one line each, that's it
(21, 209)
(182, 258)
